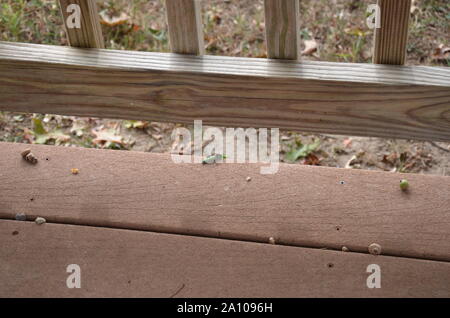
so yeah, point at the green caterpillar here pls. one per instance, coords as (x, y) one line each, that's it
(214, 159)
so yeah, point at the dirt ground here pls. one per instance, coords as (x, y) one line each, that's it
(331, 30)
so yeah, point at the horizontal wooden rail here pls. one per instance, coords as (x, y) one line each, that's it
(300, 205)
(351, 99)
(120, 263)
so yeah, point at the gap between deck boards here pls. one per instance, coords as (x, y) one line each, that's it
(307, 246)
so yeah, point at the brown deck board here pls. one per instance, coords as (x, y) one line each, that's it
(300, 205)
(124, 263)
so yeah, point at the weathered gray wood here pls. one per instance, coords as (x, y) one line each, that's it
(89, 35)
(299, 205)
(185, 26)
(122, 263)
(352, 99)
(391, 38)
(282, 29)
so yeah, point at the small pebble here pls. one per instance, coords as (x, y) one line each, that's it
(375, 249)
(21, 217)
(345, 249)
(40, 220)
(272, 240)
(74, 170)
(404, 184)
(248, 179)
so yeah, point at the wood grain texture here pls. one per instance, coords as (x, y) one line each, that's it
(282, 29)
(299, 205)
(390, 40)
(348, 99)
(89, 35)
(122, 263)
(185, 26)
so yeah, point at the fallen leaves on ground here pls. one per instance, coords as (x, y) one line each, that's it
(138, 124)
(111, 21)
(441, 54)
(107, 138)
(42, 136)
(302, 151)
(310, 47)
(312, 160)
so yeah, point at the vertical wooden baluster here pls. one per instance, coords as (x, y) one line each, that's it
(89, 35)
(282, 29)
(391, 39)
(185, 26)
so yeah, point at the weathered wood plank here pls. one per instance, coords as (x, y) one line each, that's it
(282, 29)
(349, 99)
(185, 26)
(89, 34)
(391, 38)
(299, 205)
(122, 263)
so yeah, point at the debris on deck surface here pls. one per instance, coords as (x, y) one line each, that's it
(214, 159)
(404, 184)
(29, 156)
(75, 170)
(375, 249)
(21, 217)
(40, 220)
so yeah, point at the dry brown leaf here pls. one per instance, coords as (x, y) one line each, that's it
(107, 136)
(347, 142)
(441, 53)
(113, 21)
(310, 47)
(312, 160)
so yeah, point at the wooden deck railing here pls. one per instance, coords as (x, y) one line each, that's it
(341, 98)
